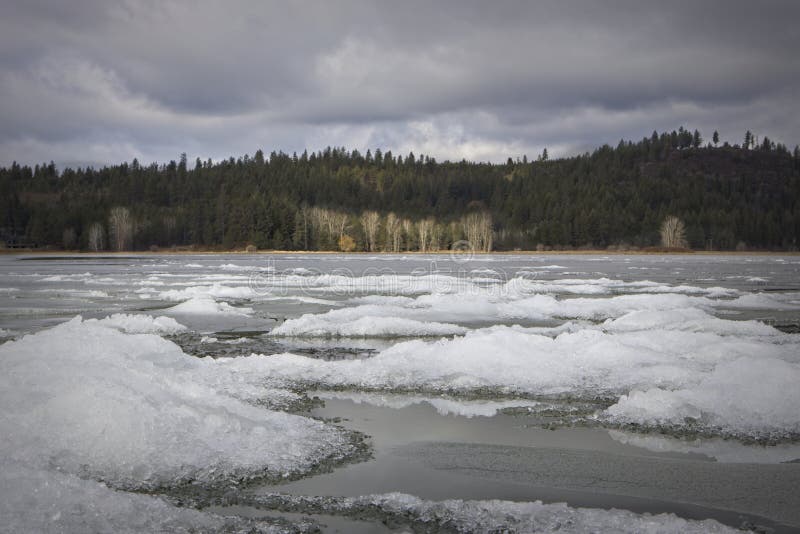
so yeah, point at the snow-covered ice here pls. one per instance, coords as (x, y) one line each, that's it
(134, 411)
(667, 355)
(487, 307)
(493, 515)
(748, 396)
(207, 306)
(673, 368)
(46, 501)
(140, 324)
(365, 326)
(443, 405)
(213, 291)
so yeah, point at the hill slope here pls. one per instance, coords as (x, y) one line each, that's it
(727, 196)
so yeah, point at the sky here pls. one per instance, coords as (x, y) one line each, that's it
(102, 82)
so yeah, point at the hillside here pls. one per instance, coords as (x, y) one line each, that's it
(728, 197)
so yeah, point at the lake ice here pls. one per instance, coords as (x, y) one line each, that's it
(193, 377)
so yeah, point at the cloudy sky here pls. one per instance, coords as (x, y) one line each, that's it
(103, 82)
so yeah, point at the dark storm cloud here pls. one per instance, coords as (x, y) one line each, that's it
(102, 81)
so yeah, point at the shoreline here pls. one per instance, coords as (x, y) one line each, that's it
(592, 252)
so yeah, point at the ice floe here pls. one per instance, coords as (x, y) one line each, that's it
(749, 396)
(136, 412)
(215, 290)
(587, 361)
(443, 405)
(681, 368)
(36, 500)
(208, 306)
(310, 325)
(140, 324)
(488, 516)
(486, 308)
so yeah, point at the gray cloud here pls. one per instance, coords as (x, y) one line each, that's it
(99, 82)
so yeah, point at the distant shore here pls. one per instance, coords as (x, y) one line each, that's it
(595, 252)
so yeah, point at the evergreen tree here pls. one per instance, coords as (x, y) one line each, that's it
(697, 140)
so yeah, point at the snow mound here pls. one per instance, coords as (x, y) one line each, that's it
(140, 324)
(442, 405)
(136, 412)
(33, 500)
(213, 291)
(490, 516)
(752, 397)
(326, 325)
(586, 362)
(208, 306)
(487, 305)
(605, 286)
(680, 374)
(687, 319)
(763, 301)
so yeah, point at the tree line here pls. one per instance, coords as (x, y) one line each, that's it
(726, 196)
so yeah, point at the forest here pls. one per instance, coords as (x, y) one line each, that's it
(742, 196)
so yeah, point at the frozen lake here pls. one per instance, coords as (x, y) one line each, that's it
(359, 393)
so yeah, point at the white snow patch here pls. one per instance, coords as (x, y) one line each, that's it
(208, 306)
(135, 411)
(209, 291)
(67, 277)
(444, 406)
(486, 306)
(140, 324)
(755, 396)
(584, 362)
(508, 516)
(34, 500)
(687, 319)
(311, 325)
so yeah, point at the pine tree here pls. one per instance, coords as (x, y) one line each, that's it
(696, 139)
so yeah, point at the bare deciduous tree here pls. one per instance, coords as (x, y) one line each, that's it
(120, 227)
(339, 223)
(478, 230)
(328, 224)
(97, 237)
(436, 238)
(393, 233)
(673, 233)
(371, 222)
(424, 233)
